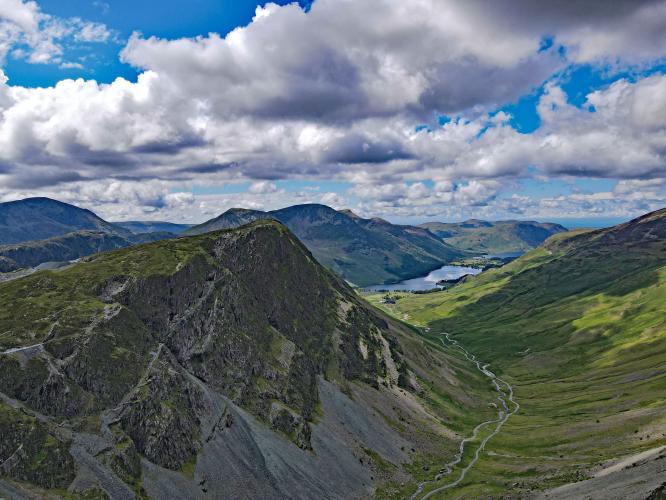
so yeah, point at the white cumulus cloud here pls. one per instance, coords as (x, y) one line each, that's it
(336, 93)
(29, 33)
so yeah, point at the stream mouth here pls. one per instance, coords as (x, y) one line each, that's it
(508, 407)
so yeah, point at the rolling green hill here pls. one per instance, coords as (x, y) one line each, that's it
(578, 328)
(363, 251)
(229, 364)
(499, 237)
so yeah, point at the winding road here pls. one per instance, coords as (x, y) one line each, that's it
(505, 396)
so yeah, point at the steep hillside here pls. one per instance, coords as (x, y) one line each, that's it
(41, 218)
(228, 365)
(69, 247)
(499, 237)
(138, 227)
(363, 251)
(578, 328)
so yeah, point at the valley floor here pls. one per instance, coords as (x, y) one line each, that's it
(597, 413)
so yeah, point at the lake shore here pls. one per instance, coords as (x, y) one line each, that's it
(427, 282)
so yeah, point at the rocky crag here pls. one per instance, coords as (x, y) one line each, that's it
(230, 365)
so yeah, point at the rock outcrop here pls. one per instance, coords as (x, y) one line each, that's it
(147, 369)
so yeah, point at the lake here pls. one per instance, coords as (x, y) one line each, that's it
(427, 282)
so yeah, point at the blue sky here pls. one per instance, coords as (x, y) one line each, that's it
(173, 19)
(525, 109)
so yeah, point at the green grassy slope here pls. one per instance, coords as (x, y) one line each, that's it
(578, 327)
(494, 237)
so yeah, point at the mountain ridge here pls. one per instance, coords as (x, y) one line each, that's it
(68, 247)
(147, 369)
(363, 251)
(41, 218)
(35, 231)
(494, 237)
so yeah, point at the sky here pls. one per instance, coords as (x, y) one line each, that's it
(412, 111)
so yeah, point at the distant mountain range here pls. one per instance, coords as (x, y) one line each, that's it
(34, 231)
(363, 251)
(139, 227)
(70, 246)
(40, 218)
(496, 238)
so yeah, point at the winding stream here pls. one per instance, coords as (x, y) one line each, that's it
(505, 396)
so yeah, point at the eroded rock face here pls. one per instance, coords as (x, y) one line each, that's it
(40, 384)
(227, 316)
(162, 414)
(32, 451)
(291, 424)
(138, 339)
